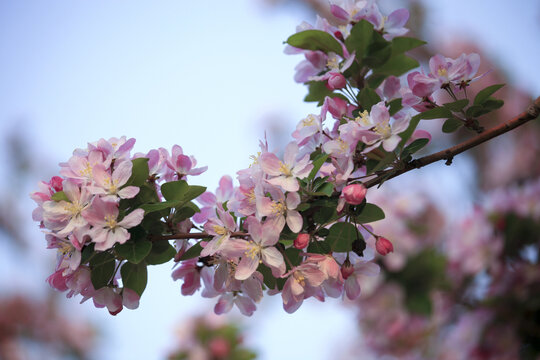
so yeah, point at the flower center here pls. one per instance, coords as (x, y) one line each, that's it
(442, 72)
(299, 278)
(110, 222)
(284, 169)
(309, 120)
(87, 171)
(220, 230)
(278, 208)
(73, 208)
(364, 118)
(384, 129)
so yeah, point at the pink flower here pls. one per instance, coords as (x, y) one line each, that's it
(111, 186)
(299, 279)
(107, 231)
(280, 208)
(182, 164)
(286, 173)
(260, 249)
(221, 228)
(383, 246)
(190, 272)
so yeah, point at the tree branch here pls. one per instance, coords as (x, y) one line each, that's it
(201, 235)
(448, 154)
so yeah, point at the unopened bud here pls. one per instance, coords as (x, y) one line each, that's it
(346, 269)
(301, 241)
(383, 246)
(336, 81)
(354, 194)
(220, 348)
(339, 35)
(56, 183)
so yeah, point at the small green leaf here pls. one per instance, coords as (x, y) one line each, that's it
(402, 44)
(367, 98)
(406, 135)
(174, 190)
(415, 146)
(451, 125)
(139, 172)
(492, 104)
(397, 65)
(149, 208)
(102, 268)
(60, 196)
(293, 255)
(371, 213)
(341, 236)
(395, 105)
(439, 112)
(193, 191)
(484, 94)
(161, 252)
(87, 253)
(134, 276)
(317, 163)
(319, 247)
(378, 51)
(388, 158)
(315, 40)
(360, 38)
(457, 105)
(192, 252)
(324, 215)
(134, 250)
(327, 189)
(183, 213)
(303, 207)
(317, 92)
(268, 279)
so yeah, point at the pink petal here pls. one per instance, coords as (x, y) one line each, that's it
(246, 267)
(128, 192)
(294, 221)
(270, 164)
(132, 219)
(122, 173)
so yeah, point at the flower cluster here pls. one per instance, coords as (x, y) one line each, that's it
(296, 223)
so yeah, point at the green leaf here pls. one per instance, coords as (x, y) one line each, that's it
(268, 279)
(370, 213)
(134, 276)
(149, 208)
(378, 52)
(315, 40)
(134, 250)
(60, 196)
(317, 163)
(415, 146)
(359, 38)
(484, 94)
(492, 104)
(388, 158)
(87, 253)
(341, 236)
(397, 65)
(192, 252)
(406, 135)
(395, 105)
(367, 98)
(161, 252)
(457, 105)
(487, 106)
(319, 247)
(326, 189)
(293, 255)
(303, 207)
(436, 113)
(402, 44)
(174, 190)
(324, 215)
(317, 91)
(139, 172)
(375, 80)
(193, 192)
(183, 213)
(102, 268)
(451, 125)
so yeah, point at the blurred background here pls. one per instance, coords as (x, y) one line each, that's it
(212, 77)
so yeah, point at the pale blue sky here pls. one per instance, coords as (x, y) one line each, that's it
(209, 76)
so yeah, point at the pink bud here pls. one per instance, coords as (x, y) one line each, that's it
(336, 81)
(301, 241)
(56, 183)
(354, 194)
(383, 246)
(346, 269)
(339, 35)
(219, 348)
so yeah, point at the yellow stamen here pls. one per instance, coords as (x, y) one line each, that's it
(364, 118)
(73, 208)
(332, 63)
(442, 72)
(110, 221)
(284, 169)
(220, 230)
(87, 171)
(299, 278)
(255, 159)
(384, 129)
(310, 120)
(278, 208)
(251, 196)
